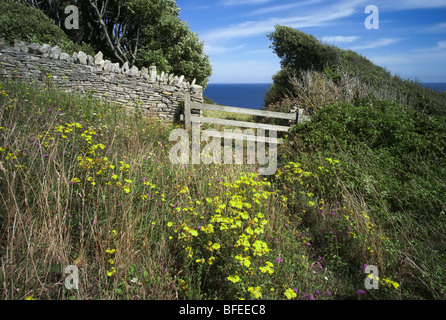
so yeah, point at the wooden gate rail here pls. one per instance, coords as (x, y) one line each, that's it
(189, 118)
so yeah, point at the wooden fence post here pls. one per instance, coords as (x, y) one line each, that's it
(187, 112)
(299, 112)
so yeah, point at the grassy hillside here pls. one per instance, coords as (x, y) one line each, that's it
(381, 175)
(375, 156)
(315, 74)
(91, 185)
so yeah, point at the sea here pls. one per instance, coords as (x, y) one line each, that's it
(242, 95)
(435, 86)
(252, 95)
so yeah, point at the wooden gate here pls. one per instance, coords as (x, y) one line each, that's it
(189, 118)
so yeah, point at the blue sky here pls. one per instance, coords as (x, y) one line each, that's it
(410, 41)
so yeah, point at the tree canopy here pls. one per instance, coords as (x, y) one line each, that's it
(300, 52)
(140, 32)
(36, 27)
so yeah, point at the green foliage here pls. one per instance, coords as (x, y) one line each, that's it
(21, 22)
(278, 89)
(94, 184)
(167, 42)
(409, 143)
(383, 199)
(144, 33)
(391, 159)
(183, 54)
(298, 50)
(300, 53)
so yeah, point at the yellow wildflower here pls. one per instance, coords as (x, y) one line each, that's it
(290, 294)
(111, 272)
(255, 292)
(234, 279)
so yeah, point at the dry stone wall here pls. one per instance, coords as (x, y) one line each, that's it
(156, 95)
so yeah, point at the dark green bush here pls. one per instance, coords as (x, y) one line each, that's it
(301, 52)
(407, 147)
(21, 22)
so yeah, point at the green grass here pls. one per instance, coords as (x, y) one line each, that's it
(374, 154)
(228, 115)
(380, 169)
(89, 184)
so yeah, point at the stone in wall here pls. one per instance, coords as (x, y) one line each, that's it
(144, 72)
(98, 59)
(155, 94)
(82, 57)
(133, 71)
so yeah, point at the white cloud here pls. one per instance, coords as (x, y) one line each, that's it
(436, 28)
(260, 17)
(339, 39)
(255, 28)
(261, 52)
(283, 7)
(201, 7)
(216, 49)
(243, 2)
(386, 60)
(441, 44)
(423, 66)
(415, 4)
(376, 44)
(439, 26)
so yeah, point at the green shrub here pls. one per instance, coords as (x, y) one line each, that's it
(391, 160)
(21, 22)
(409, 145)
(303, 54)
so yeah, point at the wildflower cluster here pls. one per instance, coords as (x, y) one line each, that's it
(110, 256)
(385, 281)
(228, 231)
